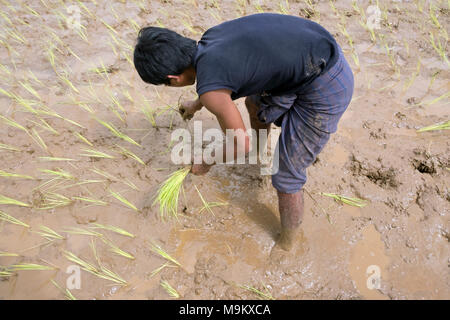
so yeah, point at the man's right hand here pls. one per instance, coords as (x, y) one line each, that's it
(188, 108)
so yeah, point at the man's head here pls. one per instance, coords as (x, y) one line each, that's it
(162, 56)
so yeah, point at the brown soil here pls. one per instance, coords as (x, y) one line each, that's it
(376, 155)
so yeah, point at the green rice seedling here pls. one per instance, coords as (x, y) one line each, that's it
(433, 17)
(8, 254)
(67, 294)
(115, 249)
(9, 201)
(64, 77)
(130, 154)
(82, 138)
(117, 133)
(83, 232)
(169, 289)
(27, 104)
(168, 193)
(38, 139)
(258, 8)
(413, 77)
(209, 205)
(8, 147)
(59, 173)
(30, 89)
(84, 265)
(30, 267)
(91, 200)
(6, 93)
(113, 229)
(123, 200)
(32, 11)
(112, 276)
(108, 26)
(261, 295)
(75, 55)
(44, 125)
(347, 200)
(96, 154)
(158, 250)
(444, 96)
(4, 273)
(13, 123)
(55, 159)
(81, 4)
(149, 115)
(17, 36)
(134, 25)
(112, 178)
(437, 126)
(49, 234)
(6, 217)
(283, 9)
(14, 175)
(160, 268)
(438, 47)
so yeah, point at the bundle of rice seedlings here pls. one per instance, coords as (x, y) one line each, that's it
(67, 294)
(261, 295)
(49, 234)
(6, 217)
(158, 250)
(29, 267)
(348, 200)
(101, 272)
(10, 201)
(169, 289)
(168, 193)
(209, 205)
(52, 200)
(113, 229)
(437, 126)
(123, 200)
(14, 175)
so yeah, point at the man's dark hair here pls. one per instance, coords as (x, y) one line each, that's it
(160, 52)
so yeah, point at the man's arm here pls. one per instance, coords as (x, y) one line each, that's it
(219, 103)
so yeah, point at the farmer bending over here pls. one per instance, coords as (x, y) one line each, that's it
(292, 73)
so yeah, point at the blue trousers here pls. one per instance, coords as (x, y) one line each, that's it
(307, 119)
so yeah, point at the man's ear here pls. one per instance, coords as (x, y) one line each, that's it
(177, 79)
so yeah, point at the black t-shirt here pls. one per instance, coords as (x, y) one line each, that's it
(263, 53)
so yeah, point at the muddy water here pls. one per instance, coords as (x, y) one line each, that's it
(376, 155)
(368, 258)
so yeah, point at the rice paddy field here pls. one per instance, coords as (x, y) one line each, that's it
(85, 147)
